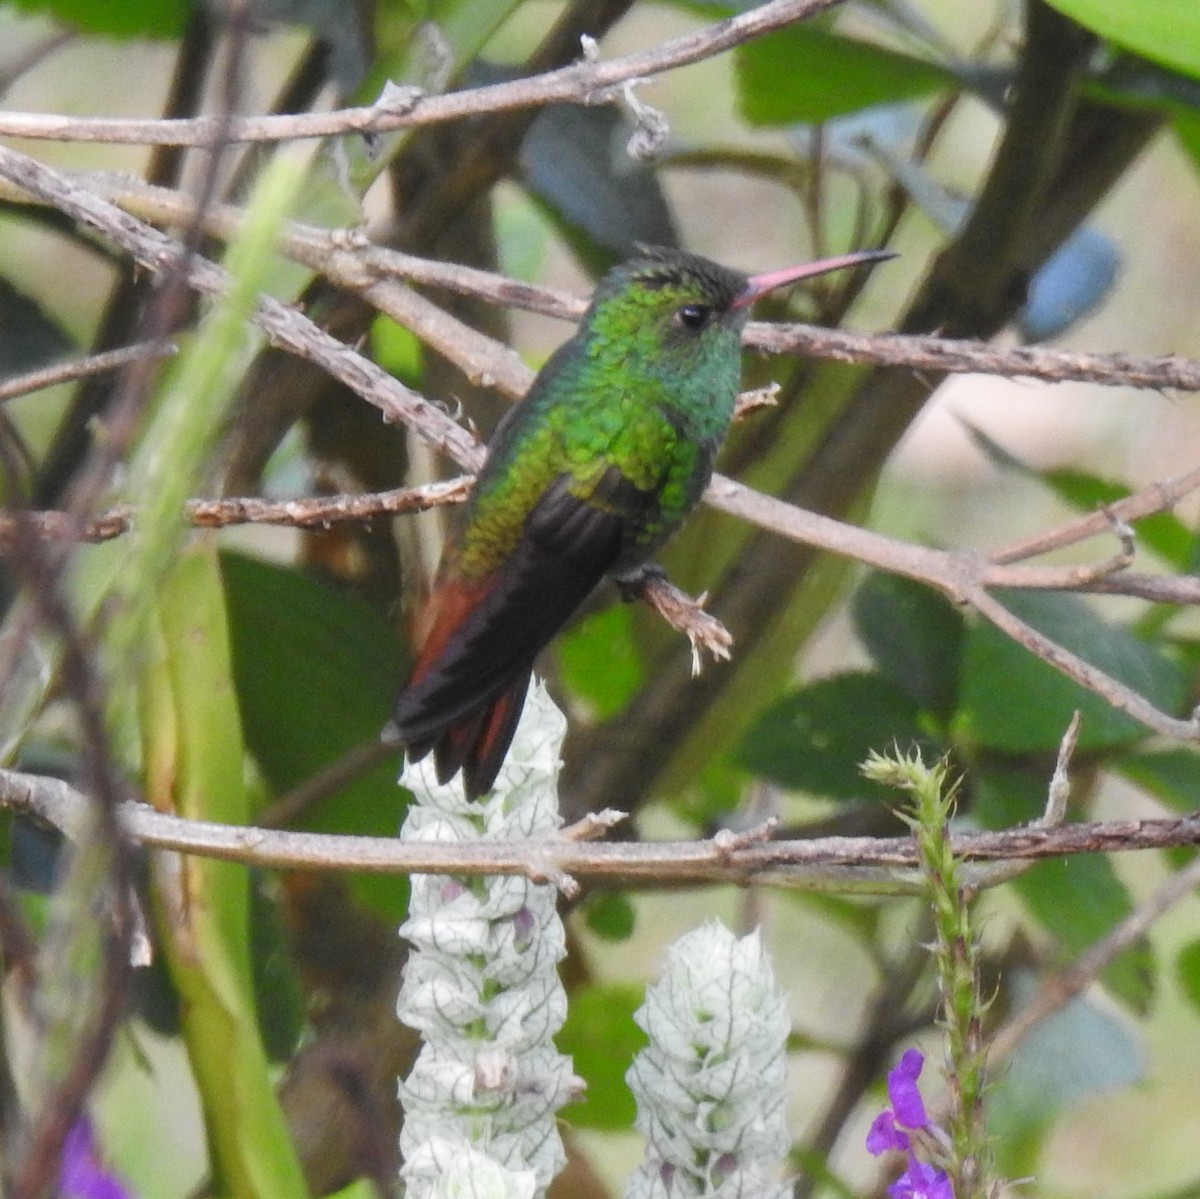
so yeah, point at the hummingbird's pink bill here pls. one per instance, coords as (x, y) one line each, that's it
(759, 285)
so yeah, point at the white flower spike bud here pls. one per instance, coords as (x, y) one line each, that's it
(710, 1086)
(482, 988)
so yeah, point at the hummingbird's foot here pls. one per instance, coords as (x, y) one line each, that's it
(679, 610)
(632, 585)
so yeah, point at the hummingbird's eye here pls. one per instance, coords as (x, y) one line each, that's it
(693, 316)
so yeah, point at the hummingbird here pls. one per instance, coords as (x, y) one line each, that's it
(586, 477)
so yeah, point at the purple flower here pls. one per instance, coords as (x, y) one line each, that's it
(902, 1090)
(921, 1181)
(907, 1110)
(81, 1176)
(883, 1136)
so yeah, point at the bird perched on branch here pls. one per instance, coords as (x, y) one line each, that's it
(585, 477)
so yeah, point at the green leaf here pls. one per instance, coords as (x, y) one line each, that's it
(815, 739)
(567, 160)
(200, 386)
(915, 637)
(1166, 31)
(278, 995)
(1013, 701)
(1078, 899)
(128, 19)
(610, 915)
(601, 1039)
(1187, 972)
(317, 671)
(806, 73)
(194, 767)
(1163, 532)
(1170, 775)
(1187, 129)
(1074, 1055)
(32, 337)
(599, 661)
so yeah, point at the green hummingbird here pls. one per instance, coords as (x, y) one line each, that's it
(587, 476)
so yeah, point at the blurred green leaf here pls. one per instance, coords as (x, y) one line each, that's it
(128, 19)
(573, 159)
(1187, 972)
(805, 73)
(278, 996)
(1011, 700)
(1162, 532)
(1078, 899)
(610, 915)
(317, 671)
(1077, 1053)
(1163, 30)
(194, 767)
(815, 739)
(601, 1039)
(32, 338)
(1187, 129)
(1170, 775)
(598, 660)
(199, 387)
(914, 635)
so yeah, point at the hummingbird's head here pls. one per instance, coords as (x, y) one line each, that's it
(673, 311)
(667, 302)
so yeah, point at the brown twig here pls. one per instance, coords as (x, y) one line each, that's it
(349, 259)
(965, 578)
(584, 82)
(80, 368)
(857, 863)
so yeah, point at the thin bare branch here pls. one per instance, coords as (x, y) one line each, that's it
(349, 259)
(852, 863)
(584, 82)
(81, 368)
(285, 327)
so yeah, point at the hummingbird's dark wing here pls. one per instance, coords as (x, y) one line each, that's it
(467, 689)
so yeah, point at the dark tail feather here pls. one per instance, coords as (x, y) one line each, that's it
(495, 736)
(477, 744)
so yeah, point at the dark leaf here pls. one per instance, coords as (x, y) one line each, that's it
(805, 73)
(1011, 700)
(29, 337)
(815, 739)
(317, 671)
(278, 996)
(574, 159)
(598, 660)
(914, 635)
(610, 915)
(1078, 899)
(1187, 972)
